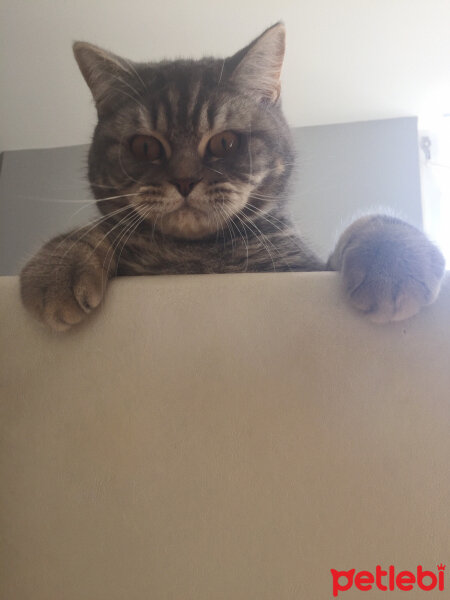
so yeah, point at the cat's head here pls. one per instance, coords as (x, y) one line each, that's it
(189, 144)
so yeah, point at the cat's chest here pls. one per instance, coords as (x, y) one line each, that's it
(143, 256)
(264, 253)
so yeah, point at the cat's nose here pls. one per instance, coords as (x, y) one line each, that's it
(185, 186)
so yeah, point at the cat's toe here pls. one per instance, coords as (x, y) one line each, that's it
(384, 300)
(61, 312)
(88, 290)
(70, 304)
(64, 298)
(390, 270)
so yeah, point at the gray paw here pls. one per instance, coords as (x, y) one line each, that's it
(62, 290)
(389, 268)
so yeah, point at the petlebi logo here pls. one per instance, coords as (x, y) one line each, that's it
(389, 580)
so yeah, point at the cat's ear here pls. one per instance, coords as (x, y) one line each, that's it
(258, 65)
(103, 71)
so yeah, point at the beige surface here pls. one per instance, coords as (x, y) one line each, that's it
(221, 437)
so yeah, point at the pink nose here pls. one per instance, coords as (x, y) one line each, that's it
(185, 186)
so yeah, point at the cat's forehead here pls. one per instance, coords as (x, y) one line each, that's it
(190, 97)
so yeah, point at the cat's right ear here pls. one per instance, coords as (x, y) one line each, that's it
(103, 71)
(257, 67)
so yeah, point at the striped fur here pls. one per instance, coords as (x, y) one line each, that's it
(235, 217)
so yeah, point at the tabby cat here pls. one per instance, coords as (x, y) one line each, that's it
(189, 165)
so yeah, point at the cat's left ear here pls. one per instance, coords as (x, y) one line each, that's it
(258, 65)
(104, 72)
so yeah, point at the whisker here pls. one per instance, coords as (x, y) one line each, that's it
(278, 198)
(132, 222)
(228, 224)
(131, 231)
(266, 216)
(121, 221)
(250, 151)
(90, 227)
(135, 72)
(221, 73)
(132, 88)
(76, 241)
(244, 240)
(219, 224)
(87, 201)
(272, 220)
(127, 221)
(154, 226)
(215, 170)
(262, 237)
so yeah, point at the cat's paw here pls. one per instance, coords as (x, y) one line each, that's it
(390, 269)
(59, 291)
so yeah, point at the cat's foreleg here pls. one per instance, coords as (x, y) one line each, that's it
(68, 276)
(390, 269)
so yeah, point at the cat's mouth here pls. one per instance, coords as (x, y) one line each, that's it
(205, 211)
(166, 206)
(184, 217)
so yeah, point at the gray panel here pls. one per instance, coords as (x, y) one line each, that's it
(353, 168)
(342, 169)
(40, 194)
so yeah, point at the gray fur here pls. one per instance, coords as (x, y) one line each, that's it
(184, 100)
(188, 210)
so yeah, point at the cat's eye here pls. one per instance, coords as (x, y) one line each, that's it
(223, 144)
(146, 147)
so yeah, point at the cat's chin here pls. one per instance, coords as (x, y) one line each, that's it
(187, 223)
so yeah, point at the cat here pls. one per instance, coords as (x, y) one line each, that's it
(189, 165)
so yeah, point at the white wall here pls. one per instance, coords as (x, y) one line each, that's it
(347, 60)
